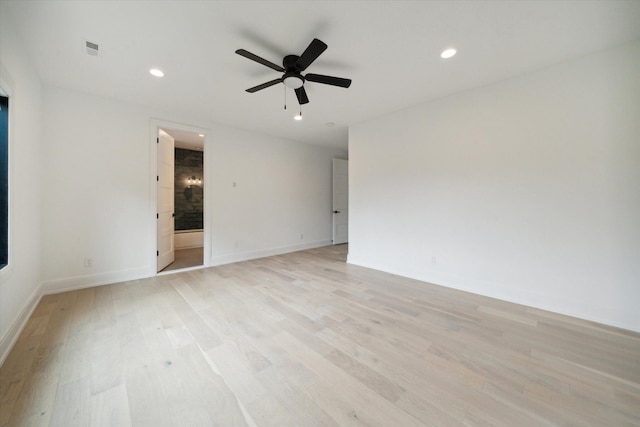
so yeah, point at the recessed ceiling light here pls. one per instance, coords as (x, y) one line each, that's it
(156, 72)
(447, 53)
(297, 117)
(201, 135)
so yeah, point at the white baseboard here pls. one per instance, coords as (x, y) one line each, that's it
(88, 281)
(9, 339)
(245, 256)
(91, 280)
(603, 315)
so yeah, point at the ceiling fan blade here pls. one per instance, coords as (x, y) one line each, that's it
(311, 53)
(328, 80)
(302, 95)
(264, 85)
(259, 60)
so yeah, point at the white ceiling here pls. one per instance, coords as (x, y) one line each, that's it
(390, 49)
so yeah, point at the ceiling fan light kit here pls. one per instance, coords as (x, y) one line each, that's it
(292, 67)
(292, 81)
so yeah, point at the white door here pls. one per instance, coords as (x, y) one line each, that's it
(166, 253)
(340, 201)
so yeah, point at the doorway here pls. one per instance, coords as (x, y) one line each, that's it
(340, 233)
(180, 202)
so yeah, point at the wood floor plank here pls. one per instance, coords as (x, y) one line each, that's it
(304, 339)
(72, 405)
(385, 387)
(111, 407)
(237, 373)
(302, 409)
(207, 389)
(269, 412)
(344, 398)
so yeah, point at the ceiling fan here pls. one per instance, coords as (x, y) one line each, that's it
(292, 67)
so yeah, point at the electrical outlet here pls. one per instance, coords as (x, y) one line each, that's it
(301, 236)
(434, 260)
(88, 262)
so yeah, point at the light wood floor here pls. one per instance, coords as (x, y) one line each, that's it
(185, 258)
(306, 340)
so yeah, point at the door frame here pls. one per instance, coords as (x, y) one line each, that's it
(207, 153)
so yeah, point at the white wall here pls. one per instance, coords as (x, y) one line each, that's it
(283, 191)
(527, 190)
(97, 193)
(96, 189)
(19, 283)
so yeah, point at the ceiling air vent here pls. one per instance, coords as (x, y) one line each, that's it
(93, 49)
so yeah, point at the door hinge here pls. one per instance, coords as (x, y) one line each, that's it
(158, 178)
(157, 140)
(157, 216)
(157, 253)
(173, 215)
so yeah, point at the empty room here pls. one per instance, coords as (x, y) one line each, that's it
(319, 213)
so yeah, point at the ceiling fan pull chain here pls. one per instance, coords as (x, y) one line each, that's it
(285, 97)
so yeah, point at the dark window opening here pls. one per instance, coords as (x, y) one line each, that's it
(4, 181)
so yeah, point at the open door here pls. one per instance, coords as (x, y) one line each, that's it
(340, 201)
(166, 251)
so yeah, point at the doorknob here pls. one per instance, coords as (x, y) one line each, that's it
(336, 211)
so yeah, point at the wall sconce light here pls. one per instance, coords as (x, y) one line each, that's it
(192, 180)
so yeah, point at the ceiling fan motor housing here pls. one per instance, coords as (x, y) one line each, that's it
(292, 77)
(290, 64)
